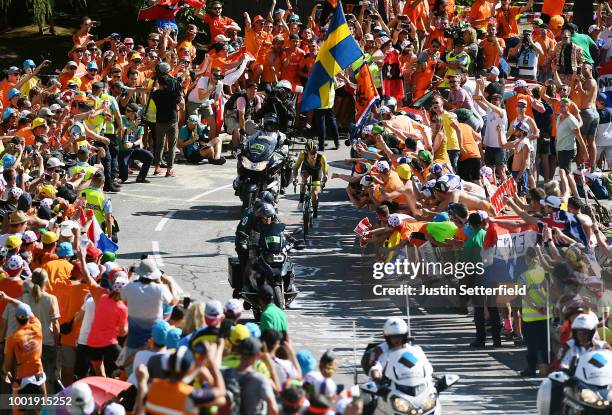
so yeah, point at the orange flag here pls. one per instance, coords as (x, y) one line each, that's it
(365, 95)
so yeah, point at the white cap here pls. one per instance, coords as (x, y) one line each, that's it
(55, 162)
(382, 165)
(114, 409)
(494, 70)
(82, 400)
(593, 28)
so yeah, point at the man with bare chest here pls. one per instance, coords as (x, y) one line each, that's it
(585, 95)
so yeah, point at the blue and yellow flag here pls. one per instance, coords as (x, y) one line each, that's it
(339, 50)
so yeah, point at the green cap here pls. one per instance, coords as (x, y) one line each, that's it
(566, 101)
(108, 257)
(537, 22)
(378, 129)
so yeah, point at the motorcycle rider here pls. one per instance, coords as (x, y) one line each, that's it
(395, 331)
(247, 234)
(584, 328)
(314, 165)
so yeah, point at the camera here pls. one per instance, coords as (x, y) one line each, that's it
(402, 17)
(219, 77)
(96, 23)
(526, 35)
(115, 36)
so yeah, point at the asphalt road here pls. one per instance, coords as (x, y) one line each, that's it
(187, 223)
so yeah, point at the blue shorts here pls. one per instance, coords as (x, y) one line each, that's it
(521, 182)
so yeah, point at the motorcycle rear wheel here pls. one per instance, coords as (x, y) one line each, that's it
(279, 297)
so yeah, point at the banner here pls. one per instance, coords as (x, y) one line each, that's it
(504, 251)
(507, 188)
(366, 94)
(231, 76)
(604, 82)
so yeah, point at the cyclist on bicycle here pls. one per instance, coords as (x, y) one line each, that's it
(314, 165)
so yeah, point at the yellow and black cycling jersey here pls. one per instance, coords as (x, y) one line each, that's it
(319, 166)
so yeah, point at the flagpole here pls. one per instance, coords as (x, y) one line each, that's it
(354, 353)
(548, 346)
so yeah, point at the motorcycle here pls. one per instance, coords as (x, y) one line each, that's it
(260, 167)
(587, 392)
(272, 266)
(407, 388)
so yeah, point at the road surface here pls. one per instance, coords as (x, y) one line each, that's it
(187, 223)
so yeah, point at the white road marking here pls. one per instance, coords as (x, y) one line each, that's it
(164, 220)
(156, 255)
(196, 197)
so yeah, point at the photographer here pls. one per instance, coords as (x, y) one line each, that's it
(129, 147)
(196, 145)
(199, 100)
(527, 57)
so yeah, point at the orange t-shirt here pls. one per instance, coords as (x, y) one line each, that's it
(80, 40)
(553, 7)
(407, 228)
(26, 344)
(469, 146)
(217, 25)
(26, 133)
(11, 287)
(292, 62)
(77, 292)
(394, 183)
(491, 52)
(506, 22)
(416, 14)
(59, 283)
(40, 257)
(253, 40)
(511, 106)
(267, 75)
(86, 82)
(5, 87)
(481, 9)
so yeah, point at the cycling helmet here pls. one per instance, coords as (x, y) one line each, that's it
(585, 322)
(270, 118)
(180, 362)
(435, 169)
(424, 156)
(266, 210)
(394, 221)
(395, 326)
(266, 196)
(311, 146)
(404, 171)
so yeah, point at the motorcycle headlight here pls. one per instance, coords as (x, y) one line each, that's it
(429, 402)
(402, 405)
(589, 396)
(609, 395)
(249, 165)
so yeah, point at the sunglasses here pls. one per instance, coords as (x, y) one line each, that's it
(217, 8)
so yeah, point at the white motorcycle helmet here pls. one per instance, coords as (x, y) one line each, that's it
(395, 326)
(595, 368)
(284, 84)
(585, 322)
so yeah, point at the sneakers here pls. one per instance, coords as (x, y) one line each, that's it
(111, 188)
(217, 162)
(300, 206)
(528, 373)
(142, 180)
(170, 172)
(519, 342)
(157, 171)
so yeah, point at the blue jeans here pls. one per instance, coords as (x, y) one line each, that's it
(521, 182)
(453, 155)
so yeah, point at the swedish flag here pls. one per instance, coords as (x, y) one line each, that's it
(339, 50)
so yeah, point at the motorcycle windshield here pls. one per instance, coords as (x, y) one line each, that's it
(260, 148)
(272, 238)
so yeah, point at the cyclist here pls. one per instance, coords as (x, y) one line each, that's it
(314, 165)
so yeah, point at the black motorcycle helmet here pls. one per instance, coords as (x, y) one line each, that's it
(266, 210)
(266, 197)
(271, 122)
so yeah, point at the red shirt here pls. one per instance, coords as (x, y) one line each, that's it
(110, 316)
(11, 287)
(292, 62)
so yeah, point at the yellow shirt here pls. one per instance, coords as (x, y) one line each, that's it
(452, 142)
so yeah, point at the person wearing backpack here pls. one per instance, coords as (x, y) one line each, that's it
(240, 110)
